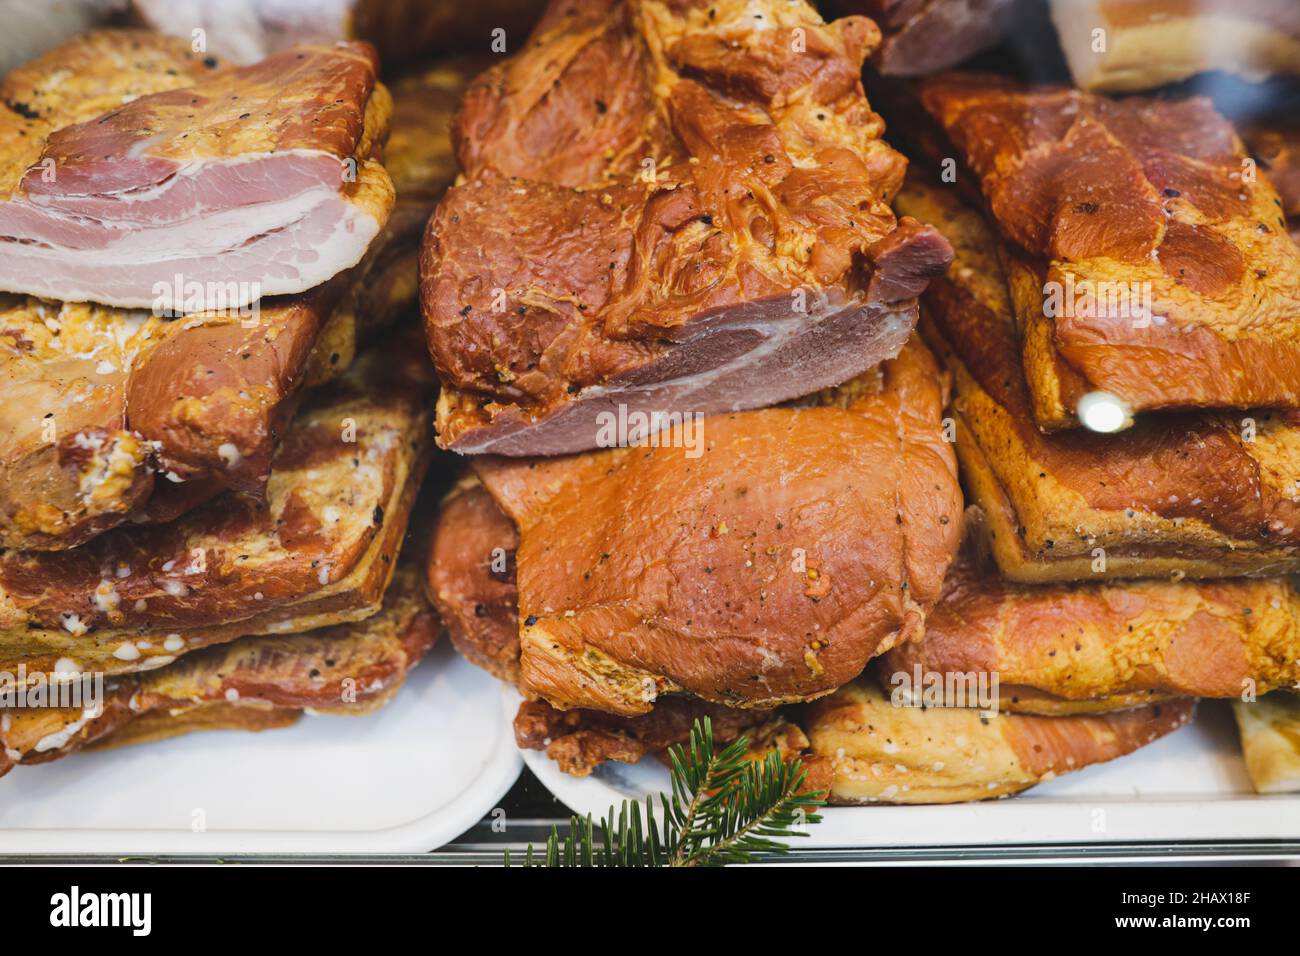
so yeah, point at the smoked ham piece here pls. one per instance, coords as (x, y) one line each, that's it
(117, 415)
(1101, 646)
(800, 543)
(132, 167)
(471, 580)
(1146, 258)
(318, 549)
(253, 683)
(112, 415)
(671, 207)
(882, 753)
(1208, 494)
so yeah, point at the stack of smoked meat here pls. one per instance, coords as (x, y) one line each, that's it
(866, 463)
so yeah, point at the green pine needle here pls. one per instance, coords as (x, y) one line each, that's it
(722, 809)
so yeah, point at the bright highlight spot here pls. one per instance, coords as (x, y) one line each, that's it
(1103, 412)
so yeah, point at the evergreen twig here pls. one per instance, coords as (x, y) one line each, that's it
(722, 809)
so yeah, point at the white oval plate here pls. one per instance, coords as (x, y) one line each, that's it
(407, 778)
(1191, 785)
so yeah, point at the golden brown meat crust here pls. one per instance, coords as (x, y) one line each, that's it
(473, 559)
(1204, 494)
(671, 206)
(1109, 207)
(880, 753)
(121, 80)
(319, 550)
(1108, 646)
(418, 156)
(471, 581)
(104, 402)
(83, 79)
(159, 725)
(252, 684)
(471, 578)
(799, 544)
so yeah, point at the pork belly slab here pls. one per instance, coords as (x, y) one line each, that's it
(1102, 646)
(882, 753)
(254, 683)
(117, 415)
(1147, 259)
(799, 544)
(129, 160)
(667, 206)
(317, 550)
(1208, 494)
(111, 415)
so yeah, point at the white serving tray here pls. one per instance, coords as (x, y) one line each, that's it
(407, 778)
(1189, 786)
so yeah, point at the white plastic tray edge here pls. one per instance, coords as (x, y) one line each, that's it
(443, 684)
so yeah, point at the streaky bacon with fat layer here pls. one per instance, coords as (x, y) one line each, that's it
(254, 683)
(129, 160)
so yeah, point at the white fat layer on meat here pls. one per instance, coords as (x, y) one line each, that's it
(213, 234)
(232, 248)
(60, 738)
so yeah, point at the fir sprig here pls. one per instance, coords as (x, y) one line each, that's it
(723, 809)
